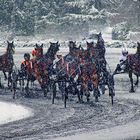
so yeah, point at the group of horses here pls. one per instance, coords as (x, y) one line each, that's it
(80, 72)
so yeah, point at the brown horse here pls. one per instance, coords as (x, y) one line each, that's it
(89, 76)
(7, 61)
(133, 66)
(67, 69)
(42, 64)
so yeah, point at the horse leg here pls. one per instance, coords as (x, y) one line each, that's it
(22, 84)
(131, 80)
(5, 76)
(78, 94)
(81, 93)
(137, 82)
(87, 95)
(103, 89)
(110, 84)
(1, 86)
(9, 79)
(0, 83)
(45, 91)
(14, 89)
(96, 94)
(117, 69)
(27, 88)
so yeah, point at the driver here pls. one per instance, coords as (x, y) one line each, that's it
(121, 67)
(26, 65)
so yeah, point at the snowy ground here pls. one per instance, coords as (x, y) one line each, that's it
(12, 112)
(85, 121)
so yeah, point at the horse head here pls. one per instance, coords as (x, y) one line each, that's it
(90, 44)
(10, 47)
(73, 49)
(39, 50)
(100, 40)
(53, 49)
(84, 54)
(71, 45)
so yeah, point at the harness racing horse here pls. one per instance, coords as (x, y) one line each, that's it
(36, 68)
(26, 73)
(42, 64)
(88, 77)
(133, 66)
(7, 61)
(106, 78)
(97, 56)
(67, 71)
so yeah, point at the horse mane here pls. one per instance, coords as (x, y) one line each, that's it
(48, 52)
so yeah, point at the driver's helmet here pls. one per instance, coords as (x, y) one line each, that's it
(124, 51)
(27, 56)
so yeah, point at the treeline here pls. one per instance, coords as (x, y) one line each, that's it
(27, 17)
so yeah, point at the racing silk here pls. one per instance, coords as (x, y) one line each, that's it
(34, 53)
(41, 70)
(123, 58)
(123, 62)
(26, 66)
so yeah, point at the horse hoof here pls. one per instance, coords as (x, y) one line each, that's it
(96, 99)
(131, 91)
(77, 102)
(80, 101)
(136, 84)
(88, 100)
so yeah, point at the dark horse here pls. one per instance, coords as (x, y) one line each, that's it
(133, 66)
(7, 61)
(97, 55)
